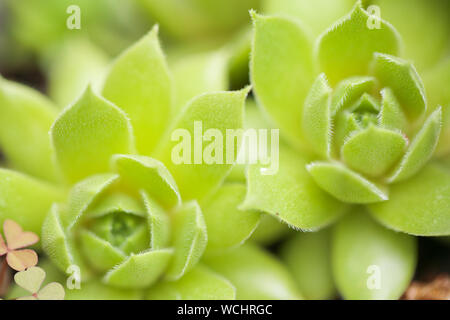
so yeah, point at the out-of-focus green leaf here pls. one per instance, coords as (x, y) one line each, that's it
(25, 119)
(283, 73)
(26, 200)
(256, 274)
(308, 257)
(198, 284)
(419, 205)
(370, 261)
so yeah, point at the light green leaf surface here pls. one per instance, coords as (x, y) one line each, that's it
(391, 115)
(256, 274)
(83, 194)
(349, 90)
(99, 253)
(346, 48)
(87, 134)
(68, 80)
(291, 194)
(140, 84)
(25, 119)
(218, 111)
(198, 73)
(374, 150)
(283, 73)
(438, 95)
(419, 205)
(308, 257)
(26, 200)
(116, 202)
(198, 284)
(270, 230)
(425, 40)
(316, 117)
(141, 172)
(370, 261)
(402, 78)
(159, 223)
(420, 150)
(345, 184)
(189, 239)
(227, 225)
(139, 270)
(317, 15)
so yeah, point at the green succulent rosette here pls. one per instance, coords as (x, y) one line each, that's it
(362, 138)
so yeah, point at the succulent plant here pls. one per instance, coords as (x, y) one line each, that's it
(114, 203)
(364, 146)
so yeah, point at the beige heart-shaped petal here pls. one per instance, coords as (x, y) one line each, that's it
(31, 279)
(52, 291)
(16, 238)
(20, 260)
(3, 247)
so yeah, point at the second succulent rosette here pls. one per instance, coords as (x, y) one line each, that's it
(363, 144)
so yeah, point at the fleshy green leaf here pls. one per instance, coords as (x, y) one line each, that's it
(67, 80)
(425, 40)
(26, 200)
(345, 125)
(419, 205)
(270, 230)
(316, 117)
(116, 202)
(420, 150)
(308, 257)
(141, 172)
(198, 73)
(374, 150)
(140, 84)
(228, 226)
(95, 290)
(347, 47)
(402, 78)
(345, 184)
(99, 253)
(139, 270)
(25, 119)
(392, 116)
(83, 195)
(220, 111)
(198, 284)
(189, 239)
(439, 95)
(370, 261)
(282, 74)
(291, 194)
(348, 91)
(317, 15)
(255, 273)
(159, 223)
(87, 134)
